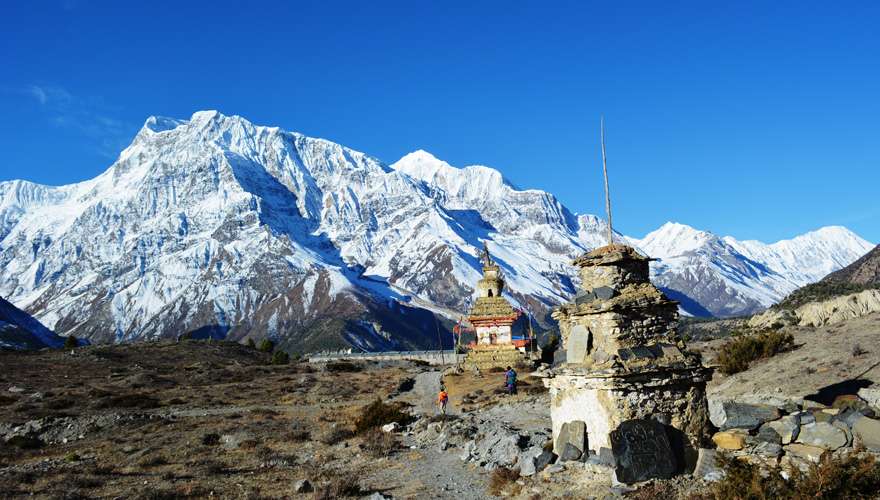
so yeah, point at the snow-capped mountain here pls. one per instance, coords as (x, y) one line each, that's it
(718, 276)
(216, 226)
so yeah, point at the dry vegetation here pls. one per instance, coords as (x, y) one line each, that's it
(736, 355)
(187, 420)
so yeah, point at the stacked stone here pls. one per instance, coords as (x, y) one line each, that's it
(627, 377)
(797, 433)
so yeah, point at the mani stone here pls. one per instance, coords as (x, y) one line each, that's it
(578, 341)
(868, 432)
(573, 433)
(729, 440)
(823, 435)
(570, 453)
(786, 428)
(732, 415)
(642, 451)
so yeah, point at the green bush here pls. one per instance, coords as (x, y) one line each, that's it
(266, 345)
(280, 358)
(71, 342)
(737, 353)
(379, 413)
(834, 477)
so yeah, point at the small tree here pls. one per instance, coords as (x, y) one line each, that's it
(280, 358)
(266, 345)
(71, 342)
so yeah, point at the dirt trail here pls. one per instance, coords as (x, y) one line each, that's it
(423, 395)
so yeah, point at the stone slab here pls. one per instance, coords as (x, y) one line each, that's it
(733, 415)
(642, 451)
(577, 344)
(805, 451)
(729, 440)
(786, 428)
(707, 467)
(868, 432)
(823, 435)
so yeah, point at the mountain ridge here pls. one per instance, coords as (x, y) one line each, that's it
(222, 226)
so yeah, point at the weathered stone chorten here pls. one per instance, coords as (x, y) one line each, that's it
(495, 321)
(628, 391)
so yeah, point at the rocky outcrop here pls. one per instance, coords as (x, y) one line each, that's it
(826, 312)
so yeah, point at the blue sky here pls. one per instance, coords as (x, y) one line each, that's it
(760, 120)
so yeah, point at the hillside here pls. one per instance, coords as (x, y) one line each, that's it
(863, 274)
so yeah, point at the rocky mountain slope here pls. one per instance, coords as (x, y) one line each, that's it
(216, 226)
(20, 331)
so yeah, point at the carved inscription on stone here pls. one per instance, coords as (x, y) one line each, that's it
(578, 343)
(642, 451)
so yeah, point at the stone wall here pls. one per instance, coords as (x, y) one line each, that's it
(501, 357)
(430, 357)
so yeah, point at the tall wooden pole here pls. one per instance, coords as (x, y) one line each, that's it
(607, 193)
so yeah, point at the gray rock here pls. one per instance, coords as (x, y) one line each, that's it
(570, 453)
(392, 427)
(527, 465)
(707, 467)
(376, 496)
(469, 449)
(767, 434)
(233, 441)
(822, 435)
(871, 395)
(867, 430)
(577, 435)
(805, 417)
(732, 415)
(786, 428)
(576, 344)
(543, 460)
(303, 486)
(845, 428)
(553, 469)
(766, 449)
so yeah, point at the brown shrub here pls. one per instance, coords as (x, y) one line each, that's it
(133, 400)
(737, 353)
(503, 479)
(379, 413)
(378, 443)
(336, 435)
(343, 367)
(847, 476)
(338, 487)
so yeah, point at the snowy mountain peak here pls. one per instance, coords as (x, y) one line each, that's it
(673, 239)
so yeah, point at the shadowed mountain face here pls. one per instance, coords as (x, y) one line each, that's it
(20, 331)
(216, 226)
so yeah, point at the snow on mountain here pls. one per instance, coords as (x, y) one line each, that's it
(219, 227)
(724, 276)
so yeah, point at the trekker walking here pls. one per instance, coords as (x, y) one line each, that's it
(510, 380)
(442, 399)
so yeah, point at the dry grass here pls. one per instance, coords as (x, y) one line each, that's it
(378, 443)
(503, 480)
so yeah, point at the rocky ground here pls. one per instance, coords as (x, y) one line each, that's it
(198, 419)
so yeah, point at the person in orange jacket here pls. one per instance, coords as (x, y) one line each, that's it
(442, 400)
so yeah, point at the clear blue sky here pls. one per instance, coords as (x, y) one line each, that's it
(759, 120)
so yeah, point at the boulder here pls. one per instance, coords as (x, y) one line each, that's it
(732, 415)
(871, 395)
(543, 460)
(822, 435)
(804, 451)
(767, 434)
(574, 433)
(846, 430)
(392, 427)
(786, 428)
(867, 430)
(527, 461)
(303, 486)
(729, 440)
(849, 401)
